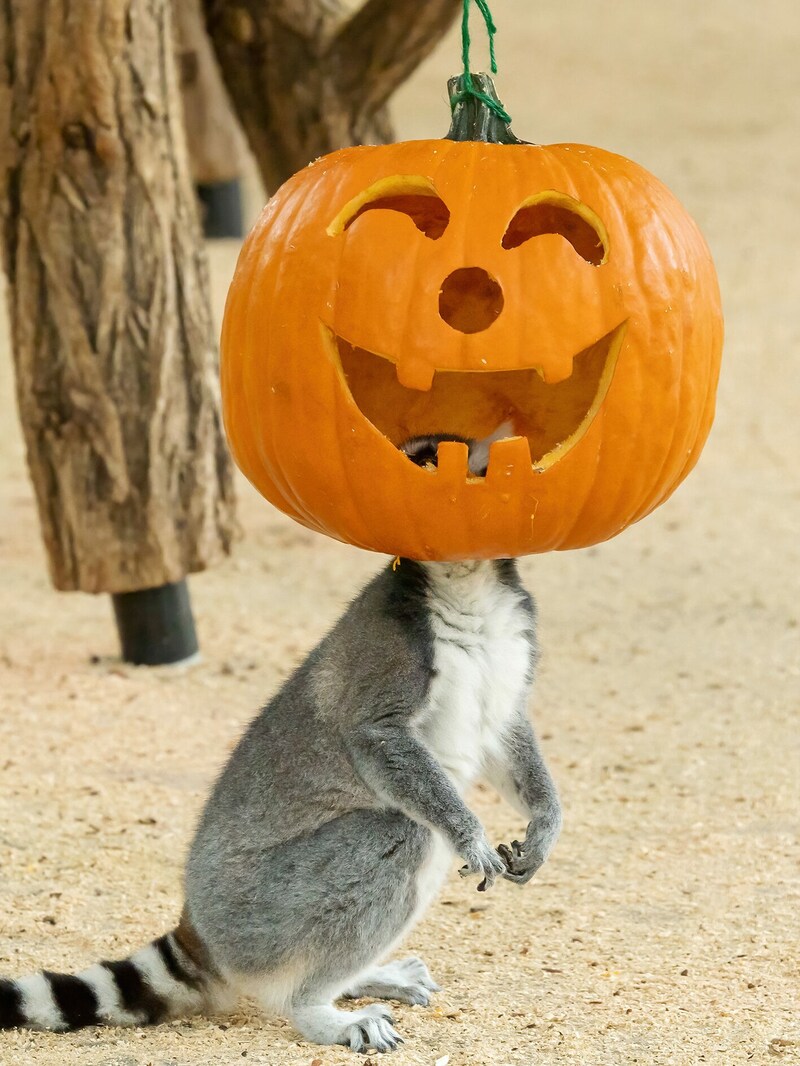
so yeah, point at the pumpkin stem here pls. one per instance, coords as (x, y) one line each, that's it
(478, 114)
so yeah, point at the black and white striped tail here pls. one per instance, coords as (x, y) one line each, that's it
(158, 982)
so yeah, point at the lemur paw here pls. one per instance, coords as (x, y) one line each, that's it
(406, 980)
(418, 983)
(371, 1028)
(523, 860)
(483, 859)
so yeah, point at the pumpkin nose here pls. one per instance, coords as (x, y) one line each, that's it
(470, 299)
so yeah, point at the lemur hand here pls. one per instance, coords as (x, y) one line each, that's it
(523, 860)
(482, 859)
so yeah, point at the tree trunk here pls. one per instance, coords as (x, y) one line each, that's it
(307, 78)
(214, 137)
(109, 296)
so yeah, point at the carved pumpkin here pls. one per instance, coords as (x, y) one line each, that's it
(449, 286)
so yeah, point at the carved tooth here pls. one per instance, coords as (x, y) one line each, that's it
(414, 374)
(451, 458)
(507, 458)
(552, 374)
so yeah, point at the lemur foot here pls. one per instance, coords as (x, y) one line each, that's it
(406, 980)
(370, 1027)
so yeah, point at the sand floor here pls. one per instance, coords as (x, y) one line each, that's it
(664, 928)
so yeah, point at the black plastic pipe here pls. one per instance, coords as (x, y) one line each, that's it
(156, 626)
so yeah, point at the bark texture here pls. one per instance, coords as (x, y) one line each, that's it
(108, 290)
(307, 78)
(214, 137)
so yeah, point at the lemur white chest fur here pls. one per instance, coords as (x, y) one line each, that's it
(482, 659)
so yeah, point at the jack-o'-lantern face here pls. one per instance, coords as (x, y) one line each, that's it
(454, 380)
(438, 287)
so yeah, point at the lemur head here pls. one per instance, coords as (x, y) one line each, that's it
(424, 450)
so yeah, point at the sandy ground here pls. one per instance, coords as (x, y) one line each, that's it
(664, 929)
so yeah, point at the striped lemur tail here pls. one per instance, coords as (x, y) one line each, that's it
(169, 978)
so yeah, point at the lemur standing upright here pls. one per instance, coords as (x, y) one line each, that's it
(336, 818)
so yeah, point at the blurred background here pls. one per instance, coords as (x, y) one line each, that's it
(664, 927)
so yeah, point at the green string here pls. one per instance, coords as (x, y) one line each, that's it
(469, 85)
(491, 30)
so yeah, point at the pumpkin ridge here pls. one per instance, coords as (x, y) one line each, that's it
(662, 483)
(605, 493)
(703, 417)
(273, 455)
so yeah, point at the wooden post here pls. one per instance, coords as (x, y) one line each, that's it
(109, 299)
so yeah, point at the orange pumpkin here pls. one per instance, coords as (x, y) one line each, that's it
(450, 286)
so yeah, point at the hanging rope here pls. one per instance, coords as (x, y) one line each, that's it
(469, 87)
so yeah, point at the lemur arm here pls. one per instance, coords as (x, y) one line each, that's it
(404, 774)
(519, 773)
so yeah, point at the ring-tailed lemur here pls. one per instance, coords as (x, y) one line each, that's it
(337, 816)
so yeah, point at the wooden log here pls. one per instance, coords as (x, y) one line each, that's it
(109, 297)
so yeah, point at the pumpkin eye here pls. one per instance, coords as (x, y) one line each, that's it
(406, 193)
(554, 212)
(428, 213)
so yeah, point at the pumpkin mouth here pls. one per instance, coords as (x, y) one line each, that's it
(550, 417)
